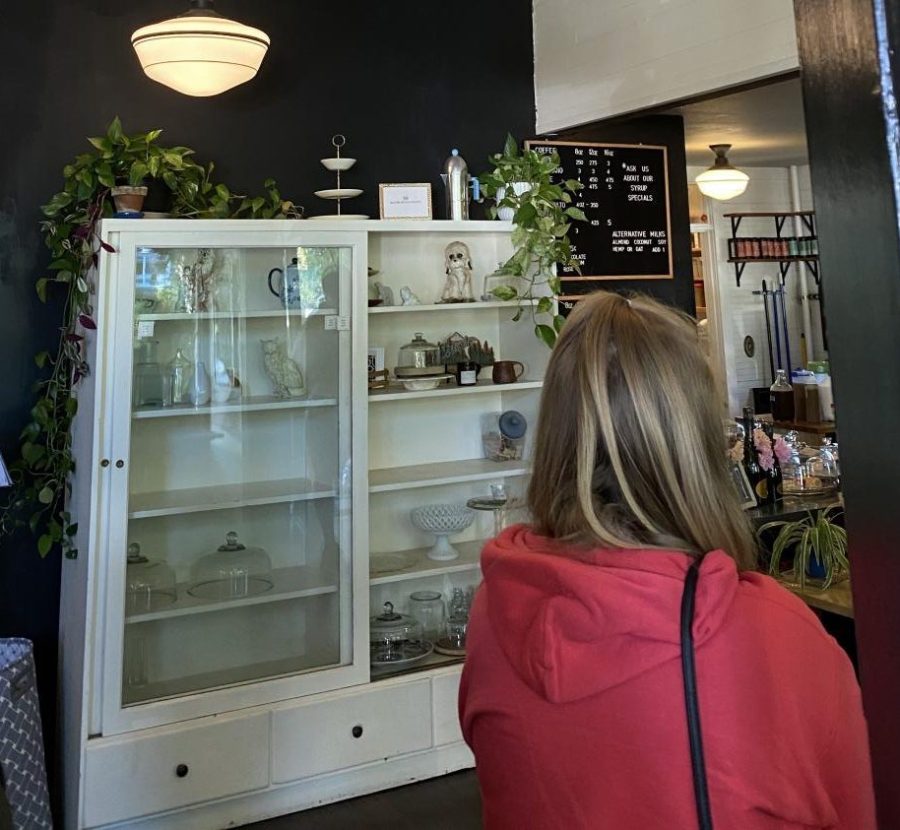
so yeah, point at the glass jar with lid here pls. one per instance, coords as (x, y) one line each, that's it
(149, 583)
(428, 608)
(395, 638)
(231, 571)
(419, 358)
(823, 467)
(793, 471)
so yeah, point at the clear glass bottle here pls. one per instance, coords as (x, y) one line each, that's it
(781, 397)
(147, 389)
(180, 372)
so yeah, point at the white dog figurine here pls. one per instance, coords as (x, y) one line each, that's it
(408, 296)
(458, 270)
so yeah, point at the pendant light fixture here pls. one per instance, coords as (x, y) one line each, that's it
(200, 52)
(722, 181)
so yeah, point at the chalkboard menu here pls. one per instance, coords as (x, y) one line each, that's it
(625, 196)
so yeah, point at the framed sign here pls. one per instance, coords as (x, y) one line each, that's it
(405, 201)
(625, 196)
(742, 485)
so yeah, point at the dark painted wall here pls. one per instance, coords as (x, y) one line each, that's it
(404, 81)
(667, 130)
(857, 216)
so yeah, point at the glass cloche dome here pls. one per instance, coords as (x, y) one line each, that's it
(149, 583)
(232, 571)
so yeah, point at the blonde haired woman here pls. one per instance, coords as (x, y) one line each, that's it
(573, 696)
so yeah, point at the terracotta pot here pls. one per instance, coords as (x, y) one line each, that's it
(128, 199)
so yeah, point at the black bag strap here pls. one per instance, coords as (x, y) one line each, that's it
(701, 791)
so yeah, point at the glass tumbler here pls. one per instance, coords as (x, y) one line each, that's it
(428, 608)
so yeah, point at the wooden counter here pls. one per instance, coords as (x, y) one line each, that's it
(837, 599)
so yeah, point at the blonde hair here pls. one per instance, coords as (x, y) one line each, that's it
(630, 451)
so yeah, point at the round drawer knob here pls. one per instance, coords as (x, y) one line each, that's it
(120, 463)
(104, 462)
(182, 770)
(357, 731)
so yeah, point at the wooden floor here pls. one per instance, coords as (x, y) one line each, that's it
(448, 803)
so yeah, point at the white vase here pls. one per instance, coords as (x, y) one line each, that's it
(506, 214)
(200, 385)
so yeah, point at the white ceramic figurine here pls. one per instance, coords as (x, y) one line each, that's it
(283, 371)
(458, 271)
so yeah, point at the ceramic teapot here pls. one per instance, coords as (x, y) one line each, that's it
(290, 288)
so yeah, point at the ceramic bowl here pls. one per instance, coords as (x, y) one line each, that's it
(423, 384)
(338, 163)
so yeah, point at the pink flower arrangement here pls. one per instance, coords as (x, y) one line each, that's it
(767, 451)
(782, 450)
(763, 449)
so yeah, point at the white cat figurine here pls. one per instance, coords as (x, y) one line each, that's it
(283, 371)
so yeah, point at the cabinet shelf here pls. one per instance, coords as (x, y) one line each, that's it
(233, 315)
(476, 306)
(421, 566)
(393, 393)
(432, 661)
(288, 584)
(391, 479)
(226, 497)
(208, 681)
(258, 403)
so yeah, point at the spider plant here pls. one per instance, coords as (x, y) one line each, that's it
(815, 541)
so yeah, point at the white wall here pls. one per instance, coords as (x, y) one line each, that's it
(599, 58)
(742, 311)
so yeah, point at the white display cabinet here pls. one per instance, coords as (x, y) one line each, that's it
(272, 513)
(425, 447)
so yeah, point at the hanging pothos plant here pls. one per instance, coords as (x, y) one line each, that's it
(523, 180)
(71, 232)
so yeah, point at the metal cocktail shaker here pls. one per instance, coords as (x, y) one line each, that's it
(456, 186)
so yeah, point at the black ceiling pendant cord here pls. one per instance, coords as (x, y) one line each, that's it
(698, 766)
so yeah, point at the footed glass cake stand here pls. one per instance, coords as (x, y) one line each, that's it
(443, 520)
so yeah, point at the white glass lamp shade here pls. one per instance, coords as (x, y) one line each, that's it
(200, 53)
(722, 181)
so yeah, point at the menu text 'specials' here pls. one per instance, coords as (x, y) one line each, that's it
(625, 196)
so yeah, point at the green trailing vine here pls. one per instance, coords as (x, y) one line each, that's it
(70, 227)
(542, 214)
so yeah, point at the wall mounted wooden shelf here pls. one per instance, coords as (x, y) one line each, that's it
(784, 261)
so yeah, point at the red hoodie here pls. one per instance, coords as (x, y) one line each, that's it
(572, 697)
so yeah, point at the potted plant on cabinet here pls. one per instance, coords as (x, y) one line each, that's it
(522, 185)
(72, 234)
(819, 547)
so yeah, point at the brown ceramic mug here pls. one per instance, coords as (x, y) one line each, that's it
(505, 371)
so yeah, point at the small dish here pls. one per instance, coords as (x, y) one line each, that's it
(402, 654)
(339, 193)
(423, 384)
(445, 647)
(334, 164)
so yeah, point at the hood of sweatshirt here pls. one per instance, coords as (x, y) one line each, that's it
(575, 624)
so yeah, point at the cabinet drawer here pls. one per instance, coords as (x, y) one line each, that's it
(352, 729)
(134, 776)
(445, 711)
